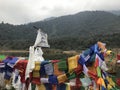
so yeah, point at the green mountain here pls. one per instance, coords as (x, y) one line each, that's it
(96, 22)
(76, 31)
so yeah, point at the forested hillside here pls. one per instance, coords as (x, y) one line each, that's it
(76, 31)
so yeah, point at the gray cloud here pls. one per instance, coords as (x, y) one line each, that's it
(14, 13)
(25, 11)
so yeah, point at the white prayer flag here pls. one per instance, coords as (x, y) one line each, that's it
(41, 39)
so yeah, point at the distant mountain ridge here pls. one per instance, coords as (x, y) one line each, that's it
(50, 18)
(83, 25)
(80, 23)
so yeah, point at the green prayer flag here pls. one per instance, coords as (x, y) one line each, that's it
(99, 72)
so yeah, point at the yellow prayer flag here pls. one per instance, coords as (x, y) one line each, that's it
(73, 62)
(62, 78)
(41, 87)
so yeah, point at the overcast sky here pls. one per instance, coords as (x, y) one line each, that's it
(25, 11)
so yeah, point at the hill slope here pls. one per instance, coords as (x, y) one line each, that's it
(83, 29)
